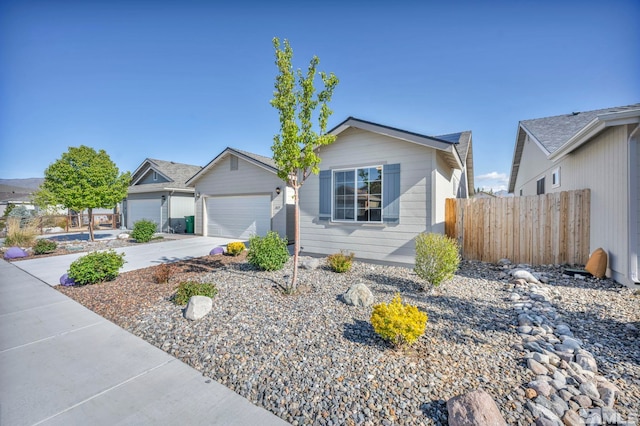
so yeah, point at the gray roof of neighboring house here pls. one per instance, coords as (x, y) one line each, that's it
(261, 158)
(177, 173)
(553, 132)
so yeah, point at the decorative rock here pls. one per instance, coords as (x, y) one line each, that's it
(572, 343)
(358, 295)
(536, 367)
(504, 262)
(607, 393)
(474, 408)
(590, 390)
(15, 253)
(525, 329)
(66, 280)
(530, 393)
(541, 358)
(198, 307)
(587, 362)
(310, 263)
(541, 387)
(124, 236)
(571, 418)
(525, 275)
(216, 251)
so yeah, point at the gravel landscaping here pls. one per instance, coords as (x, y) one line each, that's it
(312, 359)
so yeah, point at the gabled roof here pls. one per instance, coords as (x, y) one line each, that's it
(446, 146)
(176, 175)
(259, 160)
(559, 135)
(465, 150)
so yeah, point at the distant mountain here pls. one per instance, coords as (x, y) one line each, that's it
(29, 183)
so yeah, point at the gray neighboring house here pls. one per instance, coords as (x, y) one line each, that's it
(158, 192)
(596, 150)
(379, 187)
(239, 194)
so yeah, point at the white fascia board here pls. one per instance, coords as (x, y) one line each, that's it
(535, 140)
(189, 190)
(586, 133)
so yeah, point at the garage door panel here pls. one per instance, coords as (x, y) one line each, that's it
(143, 209)
(238, 216)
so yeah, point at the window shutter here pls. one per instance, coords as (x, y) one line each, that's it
(325, 195)
(391, 193)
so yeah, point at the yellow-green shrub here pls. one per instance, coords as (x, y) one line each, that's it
(235, 248)
(340, 262)
(437, 258)
(398, 323)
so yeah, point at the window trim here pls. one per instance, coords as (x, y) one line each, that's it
(555, 178)
(355, 203)
(155, 175)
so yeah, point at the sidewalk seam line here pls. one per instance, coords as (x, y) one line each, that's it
(52, 337)
(38, 307)
(105, 391)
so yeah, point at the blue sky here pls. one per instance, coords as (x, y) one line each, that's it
(183, 80)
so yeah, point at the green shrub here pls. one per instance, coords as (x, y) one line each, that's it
(398, 323)
(268, 253)
(44, 246)
(143, 230)
(340, 262)
(235, 248)
(96, 267)
(187, 289)
(437, 258)
(163, 272)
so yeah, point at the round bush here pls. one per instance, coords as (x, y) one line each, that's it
(143, 230)
(44, 246)
(96, 267)
(268, 253)
(235, 248)
(398, 323)
(437, 258)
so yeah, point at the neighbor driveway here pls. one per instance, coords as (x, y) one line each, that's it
(50, 269)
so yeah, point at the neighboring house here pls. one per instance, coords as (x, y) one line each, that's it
(16, 196)
(379, 187)
(484, 194)
(158, 193)
(596, 150)
(239, 194)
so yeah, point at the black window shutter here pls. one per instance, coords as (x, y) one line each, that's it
(391, 193)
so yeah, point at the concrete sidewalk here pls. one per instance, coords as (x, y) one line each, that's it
(62, 364)
(50, 269)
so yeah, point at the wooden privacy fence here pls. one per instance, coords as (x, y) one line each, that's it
(543, 229)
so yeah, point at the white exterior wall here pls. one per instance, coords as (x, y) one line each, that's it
(390, 242)
(249, 179)
(600, 165)
(446, 181)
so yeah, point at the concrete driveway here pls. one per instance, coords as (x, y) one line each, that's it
(50, 269)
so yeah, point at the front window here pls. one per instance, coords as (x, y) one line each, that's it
(357, 194)
(540, 186)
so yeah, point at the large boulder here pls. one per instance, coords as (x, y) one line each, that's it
(15, 253)
(309, 263)
(358, 295)
(475, 408)
(198, 307)
(124, 236)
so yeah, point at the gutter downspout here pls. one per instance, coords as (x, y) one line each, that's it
(633, 207)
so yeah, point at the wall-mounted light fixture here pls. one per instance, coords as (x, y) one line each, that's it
(197, 195)
(278, 190)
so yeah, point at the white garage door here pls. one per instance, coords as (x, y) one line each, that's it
(238, 216)
(142, 209)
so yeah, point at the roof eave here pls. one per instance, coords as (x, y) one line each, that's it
(192, 180)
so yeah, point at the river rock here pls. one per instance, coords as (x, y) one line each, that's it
(474, 408)
(525, 275)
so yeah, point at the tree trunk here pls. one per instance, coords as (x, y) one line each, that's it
(90, 213)
(296, 236)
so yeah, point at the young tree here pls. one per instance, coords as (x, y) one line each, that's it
(83, 179)
(295, 148)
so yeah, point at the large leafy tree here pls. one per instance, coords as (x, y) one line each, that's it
(295, 148)
(83, 179)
